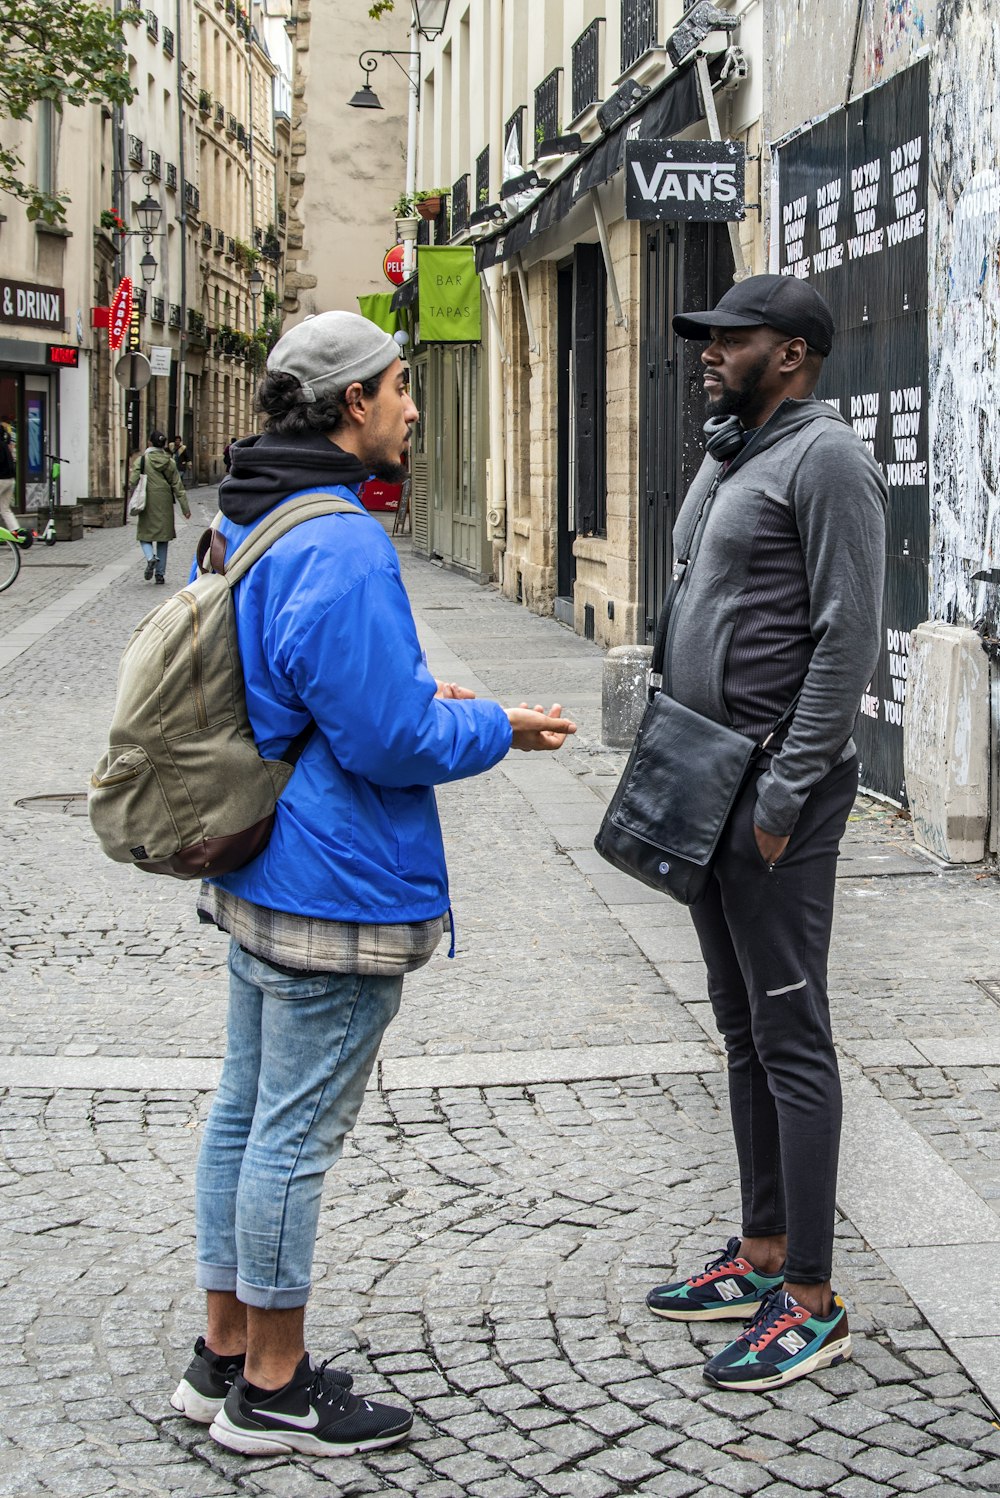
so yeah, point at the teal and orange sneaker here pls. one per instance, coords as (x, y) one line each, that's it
(784, 1341)
(730, 1289)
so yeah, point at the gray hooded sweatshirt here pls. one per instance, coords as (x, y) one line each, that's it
(783, 590)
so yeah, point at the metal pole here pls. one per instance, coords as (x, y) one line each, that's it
(494, 319)
(621, 321)
(182, 337)
(714, 133)
(413, 76)
(522, 280)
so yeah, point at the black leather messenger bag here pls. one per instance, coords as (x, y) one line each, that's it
(682, 779)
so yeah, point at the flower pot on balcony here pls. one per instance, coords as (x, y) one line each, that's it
(406, 228)
(429, 208)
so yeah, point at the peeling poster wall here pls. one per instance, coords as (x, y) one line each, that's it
(809, 45)
(964, 246)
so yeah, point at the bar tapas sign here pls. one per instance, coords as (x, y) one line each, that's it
(696, 181)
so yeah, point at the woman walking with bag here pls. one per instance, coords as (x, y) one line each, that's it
(156, 518)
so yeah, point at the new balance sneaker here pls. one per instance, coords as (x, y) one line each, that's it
(202, 1391)
(730, 1289)
(313, 1414)
(784, 1341)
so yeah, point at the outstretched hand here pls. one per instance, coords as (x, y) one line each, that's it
(536, 729)
(451, 689)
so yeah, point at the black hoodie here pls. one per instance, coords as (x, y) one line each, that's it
(266, 469)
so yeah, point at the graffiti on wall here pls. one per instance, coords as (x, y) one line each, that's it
(894, 31)
(963, 315)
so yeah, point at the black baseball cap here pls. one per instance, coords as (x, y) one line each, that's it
(782, 302)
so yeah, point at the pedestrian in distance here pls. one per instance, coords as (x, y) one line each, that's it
(781, 604)
(181, 457)
(155, 529)
(8, 475)
(349, 894)
(227, 454)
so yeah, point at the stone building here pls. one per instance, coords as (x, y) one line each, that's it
(348, 166)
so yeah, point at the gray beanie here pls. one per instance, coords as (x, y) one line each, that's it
(328, 352)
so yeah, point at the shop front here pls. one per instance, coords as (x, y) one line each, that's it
(43, 395)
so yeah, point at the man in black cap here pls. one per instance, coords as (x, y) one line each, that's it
(784, 529)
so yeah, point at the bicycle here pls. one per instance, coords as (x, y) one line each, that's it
(12, 543)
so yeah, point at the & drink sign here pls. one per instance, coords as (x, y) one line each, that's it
(32, 306)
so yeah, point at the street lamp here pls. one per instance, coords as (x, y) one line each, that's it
(430, 16)
(149, 213)
(366, 97)
(148, 267)
(255, 284)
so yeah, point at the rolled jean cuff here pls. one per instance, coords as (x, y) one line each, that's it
(215, 1277)
(270, 1298)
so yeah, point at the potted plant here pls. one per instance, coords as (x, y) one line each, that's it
(428, 201)
(407, 222)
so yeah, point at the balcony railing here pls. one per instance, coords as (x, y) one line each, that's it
(230, 249)
(460, 205)
(152, 25)
(171, 176)
(258, 238)
(155, 166)
(220, 239)
(140, 300)
(158, 309)
(547, 125)
(483, 177)
(174, 320)
(206, 235)
(196, 324)
(220, 113)
(192, 197)
(231, 125)
(638, 30)
(168, 41)
(587, 68)
(515, 123)
(134, 150)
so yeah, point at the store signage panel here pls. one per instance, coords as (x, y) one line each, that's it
(64, 355)
(393, 266)
(121, 313)
(700, 181)
(32, 306)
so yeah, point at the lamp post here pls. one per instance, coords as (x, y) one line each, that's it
(256, 286)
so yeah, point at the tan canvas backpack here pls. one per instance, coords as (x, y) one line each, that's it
(182, 789)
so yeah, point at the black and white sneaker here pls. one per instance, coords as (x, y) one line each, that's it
(313, 1414)
(202, 1391)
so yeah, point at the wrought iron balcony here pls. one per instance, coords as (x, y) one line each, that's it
(220, 240)
(158, 309)
(192, 197)
(547, 125)
(638, 30)
(483, 177)
(152, 25)
(155, 167)
(220, 113)
(460, 205)
(134, 150)
(206, 235)
(168, 41)
(516, 123)
(586, 75)
(171, 176)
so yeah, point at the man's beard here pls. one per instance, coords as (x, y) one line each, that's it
(390, 472)
(740, 401)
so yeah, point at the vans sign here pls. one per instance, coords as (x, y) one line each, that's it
(701, 180)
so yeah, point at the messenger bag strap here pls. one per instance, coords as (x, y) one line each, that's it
(655, 677)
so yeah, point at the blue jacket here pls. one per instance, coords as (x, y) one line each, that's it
(325, 631)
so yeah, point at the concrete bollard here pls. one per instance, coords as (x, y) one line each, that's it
(623, 693)
(946, 734)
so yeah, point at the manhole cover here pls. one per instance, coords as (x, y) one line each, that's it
(990, 987)
(62, 803)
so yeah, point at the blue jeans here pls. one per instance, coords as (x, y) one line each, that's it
(160, 554)
(299, 1053)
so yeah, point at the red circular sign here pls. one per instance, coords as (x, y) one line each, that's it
(121, 312)
(393, 265)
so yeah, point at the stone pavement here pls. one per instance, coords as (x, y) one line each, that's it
(545, 1136)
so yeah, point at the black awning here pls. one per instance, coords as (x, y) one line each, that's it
(674, 107)
(405, 295)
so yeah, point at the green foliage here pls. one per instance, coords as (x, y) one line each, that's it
(430, 192)
(68, 52)
(403, 207)
(381, 8)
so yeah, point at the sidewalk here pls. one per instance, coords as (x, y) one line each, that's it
(545, 1137)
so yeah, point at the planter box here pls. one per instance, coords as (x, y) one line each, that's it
(69, 522)
(102, 511)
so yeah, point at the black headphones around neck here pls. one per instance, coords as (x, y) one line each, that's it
(724, 437)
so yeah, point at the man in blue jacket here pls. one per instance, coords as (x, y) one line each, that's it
(350, 893)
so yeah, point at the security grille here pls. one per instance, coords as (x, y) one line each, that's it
(460, 206)
(547, 125)
(483, 178)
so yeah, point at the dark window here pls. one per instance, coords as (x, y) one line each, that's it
(547, 123)
(483, 178)
(638, 30)
(515, 123)
(587, 67)
(460, 205)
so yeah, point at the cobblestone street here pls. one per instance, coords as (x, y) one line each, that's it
(546, 1135)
